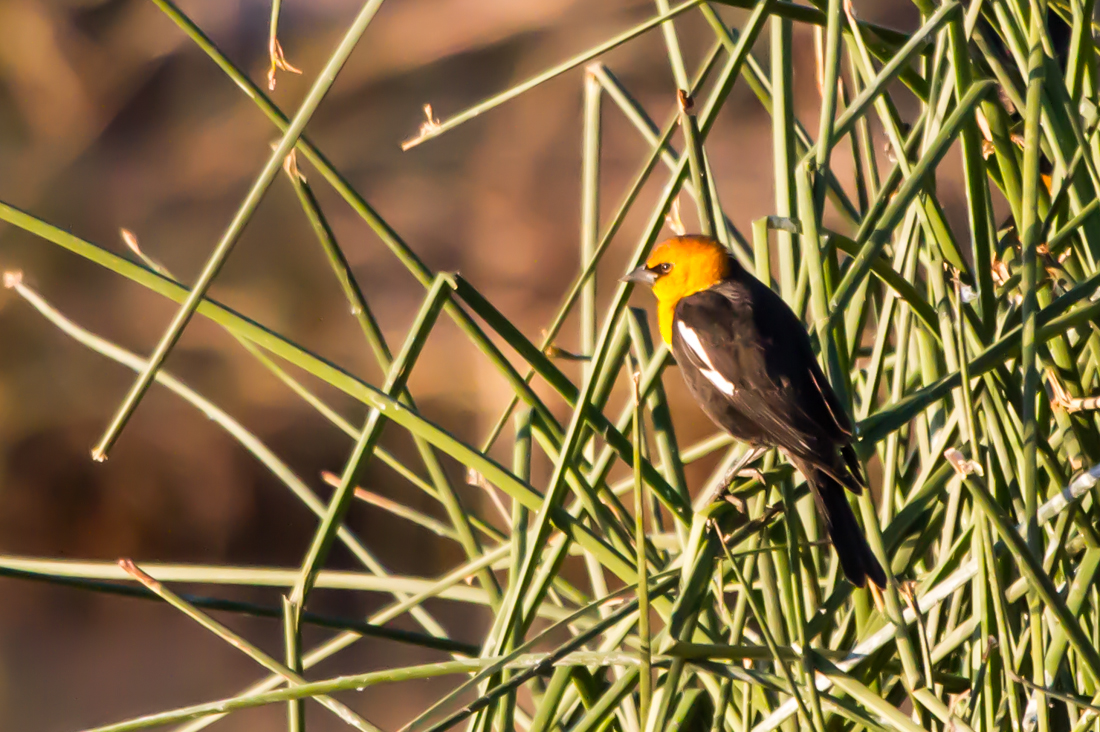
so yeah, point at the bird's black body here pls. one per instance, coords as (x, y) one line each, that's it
(747, 360)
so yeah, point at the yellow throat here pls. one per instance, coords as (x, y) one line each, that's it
(684, 266)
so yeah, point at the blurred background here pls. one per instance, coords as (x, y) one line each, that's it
(111, 118)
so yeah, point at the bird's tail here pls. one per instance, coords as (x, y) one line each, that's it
(856, 558)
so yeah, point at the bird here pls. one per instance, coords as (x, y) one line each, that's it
(748, 363)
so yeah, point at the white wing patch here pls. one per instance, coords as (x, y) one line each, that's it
(691, 338)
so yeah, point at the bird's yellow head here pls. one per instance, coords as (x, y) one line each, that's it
(680, 267)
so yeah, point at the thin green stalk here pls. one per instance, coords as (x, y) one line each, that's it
(551, 700)
(360, 627)
(783, 139)
(545, 661)
(760, 250)
(693, 146)
(590, 225)
(672, 45)
(244, 213)
(1030, 224)
(760, 84)
(397, 509)
(977, 188)
(275, 49)
(653, 135)
(292, 641)
(434, 588)
(1040, 584)
(444, 491)
(888, 713)
(590, 206)
(521, 466)
(435, 130)
(827, 121)
(346, 683)
(247, 440)
(932, 596)
(289, 675)
(386, 233)
(873, 236)
(650, 360)
(1051, 321)
(769, 640)
(645, 678)
(395, 383)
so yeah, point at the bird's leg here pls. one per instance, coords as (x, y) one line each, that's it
(739, 467)
(727, 480)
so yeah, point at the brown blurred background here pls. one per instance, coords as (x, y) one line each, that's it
(110, 118)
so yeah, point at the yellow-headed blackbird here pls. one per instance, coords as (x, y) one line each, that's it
(747, 360)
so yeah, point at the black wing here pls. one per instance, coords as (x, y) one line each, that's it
(747, 358)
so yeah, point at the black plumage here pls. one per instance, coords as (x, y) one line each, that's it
(747, 360)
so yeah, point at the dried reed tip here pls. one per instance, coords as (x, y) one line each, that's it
(331, 478)
(990, 643)
(99, 456)
(428, 128)
(13, 278)
(130, 240)
(687, 104)
(473, 477)
(673, 220)
(290, 165)
(961, 464)
(983, 125)
(1000, 272)
(130, 568)
(278, 61)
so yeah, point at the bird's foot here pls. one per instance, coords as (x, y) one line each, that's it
(720, 490)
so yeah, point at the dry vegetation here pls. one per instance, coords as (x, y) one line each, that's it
(932, 212)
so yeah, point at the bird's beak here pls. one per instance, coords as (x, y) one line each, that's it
(641, 276)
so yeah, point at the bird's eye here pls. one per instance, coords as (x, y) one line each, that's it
(664, 268)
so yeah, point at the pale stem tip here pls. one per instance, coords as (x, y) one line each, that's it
(430, 127)
(290, 165)
(684, 100)
(673, 220)
(131, 241)
(131, 568)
